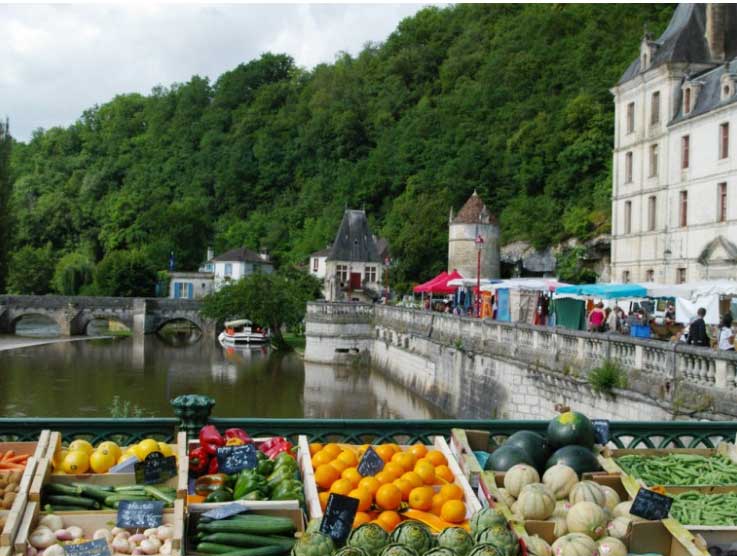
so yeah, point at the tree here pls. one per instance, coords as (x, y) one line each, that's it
(72, 273)
(125, 274)
(276, 300)
(31, 269)
(6, 142)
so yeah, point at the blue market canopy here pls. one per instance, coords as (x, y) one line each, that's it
(603, 291)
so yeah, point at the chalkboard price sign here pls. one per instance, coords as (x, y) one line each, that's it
(97, 547)
(225, 511)
(339, 515)
(601, 431)
(370, 463)
(652, 505)
(155, 469)
(232, 459)
(140, 514)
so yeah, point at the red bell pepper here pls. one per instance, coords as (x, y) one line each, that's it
(276, 446)
(237, 434)
(210, 439)
(213, 467)
(198, 461)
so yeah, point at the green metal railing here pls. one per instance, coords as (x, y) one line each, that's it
(122, 431)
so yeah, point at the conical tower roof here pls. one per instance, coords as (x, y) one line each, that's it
(474, 211)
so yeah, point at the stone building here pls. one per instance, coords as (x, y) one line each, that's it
(352, 267)
(674, 206)
(472, 221)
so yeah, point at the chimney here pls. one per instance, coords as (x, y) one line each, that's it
(715, 30)
(264, 254)
(210, 254)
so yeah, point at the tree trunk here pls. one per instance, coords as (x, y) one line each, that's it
(278, 341)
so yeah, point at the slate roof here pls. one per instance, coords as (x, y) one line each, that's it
(354, 242)
(473, 212)
(684, 40)
(240, 255)
(710, 96)
(321, 253)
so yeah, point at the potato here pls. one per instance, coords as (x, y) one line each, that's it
(8, 500)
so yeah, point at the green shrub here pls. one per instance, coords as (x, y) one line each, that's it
(607, 377)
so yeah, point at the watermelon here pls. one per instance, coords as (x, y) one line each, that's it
(581, 459)
(570, 428)
(533, 443)
(505, 457)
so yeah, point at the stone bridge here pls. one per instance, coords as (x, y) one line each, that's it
(74, 313)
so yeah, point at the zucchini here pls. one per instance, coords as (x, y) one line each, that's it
(58, 488)
(246, 540)
(62, 508)
(273, 525)
(66, 500)
(214, 548)
(115, 498)
(94, 492)
(158, 494)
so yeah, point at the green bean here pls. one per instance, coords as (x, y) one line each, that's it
(680, 469)
(694, 508)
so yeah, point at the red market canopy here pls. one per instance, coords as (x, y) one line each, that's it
(439, 284)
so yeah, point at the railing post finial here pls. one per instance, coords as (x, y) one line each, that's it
(193, 411)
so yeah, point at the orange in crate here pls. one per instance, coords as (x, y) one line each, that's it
(332, 449)
(451, 492)
(341, 486)
(389, 520)
(370, 484)
(320, 458)
(360, 519)
(385, 452)
(406, 460)
(326, 475)
(314, 448)
(364, 498)
(384, 477)
(420, 498)
(404, 486)
(426, 471)
(412, 478)
(352, 475)
(418, 450)
(388, 497)
(453, 511)
(436, 458)
(443, 472)
(324, 499)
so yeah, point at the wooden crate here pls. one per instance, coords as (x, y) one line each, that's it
(311, 493)
(607, 459)
(14, 516)
(90, 521)
(44, 472)
(259, 504)
(463, 443)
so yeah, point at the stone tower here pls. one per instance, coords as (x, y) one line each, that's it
(471, 221)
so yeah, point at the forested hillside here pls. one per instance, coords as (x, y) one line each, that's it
(511, 100)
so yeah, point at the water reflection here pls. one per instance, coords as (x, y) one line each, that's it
(37, 326)
(80, 379)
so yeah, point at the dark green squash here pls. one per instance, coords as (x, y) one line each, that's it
(505, 457)
(570, 428)
(533, 443)
(581, 459)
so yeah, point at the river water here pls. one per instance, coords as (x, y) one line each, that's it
(83, 378)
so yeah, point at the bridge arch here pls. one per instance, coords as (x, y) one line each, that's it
(49, 318)
(86, 320)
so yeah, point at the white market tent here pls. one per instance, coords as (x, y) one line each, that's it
(690, 296)
(471, 282)
(538, 284)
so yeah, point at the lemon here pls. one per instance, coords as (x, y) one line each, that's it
(59, 456)
(101, 461)
(165, 449)
(111, 447)
(145, 447)
(81, 444)
(75, 462)
(125, 456)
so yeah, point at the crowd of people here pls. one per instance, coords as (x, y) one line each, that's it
(616, 321)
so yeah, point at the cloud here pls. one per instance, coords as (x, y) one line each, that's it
(58, 60)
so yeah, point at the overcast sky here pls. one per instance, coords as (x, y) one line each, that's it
(58, 60)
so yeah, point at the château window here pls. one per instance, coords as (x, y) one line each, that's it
(653, 160)
(342, 271)
(724, 140)
(228, 269)
(650, 275)
(315, 264)
(626, 277)
(722, 202)
(687, 100)
(628, 167)
(370, 274)
(651, 214)
(685, 148)
(681, 276)
(627, 217)
(630, 117)
(655, 108)
(683, 209)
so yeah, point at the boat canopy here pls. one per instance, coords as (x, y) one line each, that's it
(603, 291)
(237, 323)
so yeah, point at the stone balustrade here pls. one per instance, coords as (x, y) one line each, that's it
(556, 347)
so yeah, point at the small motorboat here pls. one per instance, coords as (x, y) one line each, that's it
(243, 331)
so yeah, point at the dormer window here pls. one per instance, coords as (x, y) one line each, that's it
(647, 52)
(690, 91)
(687, 100)
(727, 86)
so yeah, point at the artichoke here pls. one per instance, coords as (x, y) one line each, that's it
(395, 549)
(350, 551)
(314, 525)
(457, 539)
(415, 535)
(501, 537)
(485, 549)
(369, 537)
(440, 551)
(313, 544)
(486, 518)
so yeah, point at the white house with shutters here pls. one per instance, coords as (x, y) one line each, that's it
(674, 206)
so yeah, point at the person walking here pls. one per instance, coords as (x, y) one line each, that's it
(596, 318)
(697, 330)
(726, 336)
(612, 321)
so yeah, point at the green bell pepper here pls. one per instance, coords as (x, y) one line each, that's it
(255, 495)
(265, 467)
(280, 474)
(285, 460)
(220, 495)
(248, 481)
(288, 489)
